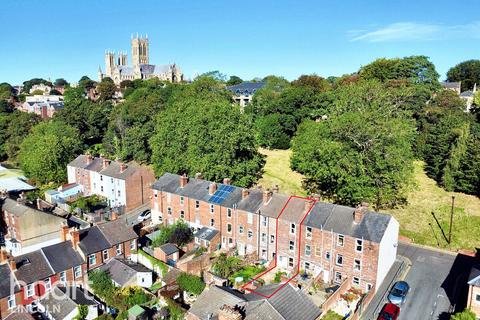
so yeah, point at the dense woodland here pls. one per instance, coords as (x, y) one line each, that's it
(354, 137)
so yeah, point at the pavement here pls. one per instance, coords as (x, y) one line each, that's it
(437, 282)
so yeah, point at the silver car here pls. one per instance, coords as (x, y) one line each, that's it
(398, 293)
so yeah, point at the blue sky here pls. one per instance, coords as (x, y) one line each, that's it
(67, 38)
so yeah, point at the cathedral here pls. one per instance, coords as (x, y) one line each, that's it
(118, 70)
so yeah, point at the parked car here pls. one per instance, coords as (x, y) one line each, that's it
(389, 311)
(145, 215)
(398, 293)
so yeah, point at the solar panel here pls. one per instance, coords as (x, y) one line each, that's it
(221, 194)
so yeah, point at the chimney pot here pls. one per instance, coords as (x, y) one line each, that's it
(3, 256)
(229, 313)
(183, 180)
(359, 212)
(13, 264)
(212, 188)
(226, 181)
(267, 195)
(123, 167)
(245, 193)
(105, 163)
(198, 175)
(89, 158)
(65, 230)
(75, 238)
(114, 215)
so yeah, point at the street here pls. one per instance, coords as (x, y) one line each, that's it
(132, 216)
(436, 280)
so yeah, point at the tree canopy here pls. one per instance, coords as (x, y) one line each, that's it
(106, 88)
(46, 151)
(468, 72)
(233, 80)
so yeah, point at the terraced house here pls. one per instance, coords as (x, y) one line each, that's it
(330, 241)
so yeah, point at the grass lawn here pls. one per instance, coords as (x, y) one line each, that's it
(247, 273)
(418, 223)
(278, 172)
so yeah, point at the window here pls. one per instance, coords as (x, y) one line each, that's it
(11, 302)
(250, 218)
(92, 259)
(48, 284)
(340, 240)
(368, 286)
(30, 291)
(101, 178)
(118, 249)
(169, 211)
(118, 193)
(240, 229)
(77, 272)
(230, 240)
(307, 265)
(327, 255)
(212, 222)
(339, 260)
(212, 208)
(156, 194)
(250, 234)
(359, 245)
(338, 277)
(272, 239)
(133, 244)
(291, 245)
(105, 255)
(111, 180)
(181, 201)
(477, 297)
(318, 251)
(197, 204)
(182, 214)
(229, 213)
(264, 221)
(357, 265)
(309, 233)
(229, 228)
(101, 188)
(356, 281)
(264, 237)
(307, 250)
(292, 228)
(290, 262)
(63, 276)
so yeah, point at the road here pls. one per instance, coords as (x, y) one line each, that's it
(131, 217)
(436, 281)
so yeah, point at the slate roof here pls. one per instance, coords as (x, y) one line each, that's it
(126, 70)
(77, 295)
(117, 231)
(122, 271)
(19, 316)
(206, 234)
(285, 304)
(92, 240)
(62, 256)
(112, 170)
(5, 277)
(58, 308)
(474, 277)
(169, 248)
(33, 267)
(246, 88)
(16, 208)
(467, 94)
(451, 85)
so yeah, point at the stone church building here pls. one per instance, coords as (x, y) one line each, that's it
(118, 70)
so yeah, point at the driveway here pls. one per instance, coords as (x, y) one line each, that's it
(437, 281)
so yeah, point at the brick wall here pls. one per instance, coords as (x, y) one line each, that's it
(473, 304)
(137, 187)
(4, 311)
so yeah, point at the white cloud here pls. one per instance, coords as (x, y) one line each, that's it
(407, 31)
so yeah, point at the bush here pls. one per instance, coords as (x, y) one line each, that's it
(178, 233)
(190, 283)
(464, 315)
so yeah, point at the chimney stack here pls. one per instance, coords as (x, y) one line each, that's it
(89, 158)
(212, 188)
(229, 313)
(226, 181)
(13, 264)
(198, 175)
(64, 232)
(123, 167)
(308, 204)
(183, 180)
(105, 163)
(245, 193)
(359, 212)
(276, 188)
(75, 238)
(3, 256)
(114, 215)
(267, 195)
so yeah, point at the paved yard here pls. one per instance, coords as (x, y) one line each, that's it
(437, 281)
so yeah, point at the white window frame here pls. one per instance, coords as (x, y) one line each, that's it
(357, 266)
(291, 245)
(337, 258)
(182, 214)
(212, 222)
(240, 229)
(250, 218)
(249, 234)
(291, 262)
(11, 302)
(63, 276)
(182, 200)
(212, 208)
(477, 297)
(307, 265)
(229, 212)
(197, 204)
(359, 245)
(133, 244)
(264, 237)
(328, 256)
(30, 290)
(356, 281)
(293, 228)
(77, 272)
(118, 249)
(229, 228)
(169, 211)
(308, 250)
(338, 275)
(308, 233)
(47, 283)
(105, 253)
(264, 221)
(92, 259)
(340, 240)
(272, 238)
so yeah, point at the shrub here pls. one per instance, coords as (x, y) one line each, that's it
(190, 283)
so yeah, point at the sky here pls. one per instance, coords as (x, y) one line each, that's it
(251, 38)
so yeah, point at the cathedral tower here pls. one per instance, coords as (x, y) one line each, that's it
(122, 59)
(139, 51)
(109, 63)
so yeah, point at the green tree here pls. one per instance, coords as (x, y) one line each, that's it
(46, 151)
(6, 91)
(190, 283)
(37, 92)
(106, 88)
(60, 82)
(233, 81)
(362, 152)
(27, 85)
(212, 136)
(14, 127)
(464, 315)
(468, 72)
(178, 233)
(86, 83)
(270, 132)
(101, 283)
(225, 266)
(82, 312)
(318, 84)
(215, 75)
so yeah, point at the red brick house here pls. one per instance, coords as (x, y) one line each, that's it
(336, 242)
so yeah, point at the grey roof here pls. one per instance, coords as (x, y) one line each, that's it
(274, 206)
(247, 88)
(16, 208)
(126, 70)
(32, 267)
(19, 316)
(62, 256)
(92, 240)
(58, 308)
(112, 170)
(467, 94)
(169, 248)
(451, 85)
(148, 69)
(14, 184)
(79, 296)
(5, 276)
(474, 277)
(287, 303)
(122, 271)
(206, 233)
(117, 231)
(251, 203)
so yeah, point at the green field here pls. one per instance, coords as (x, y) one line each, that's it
(416, 219)
(278, 172)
